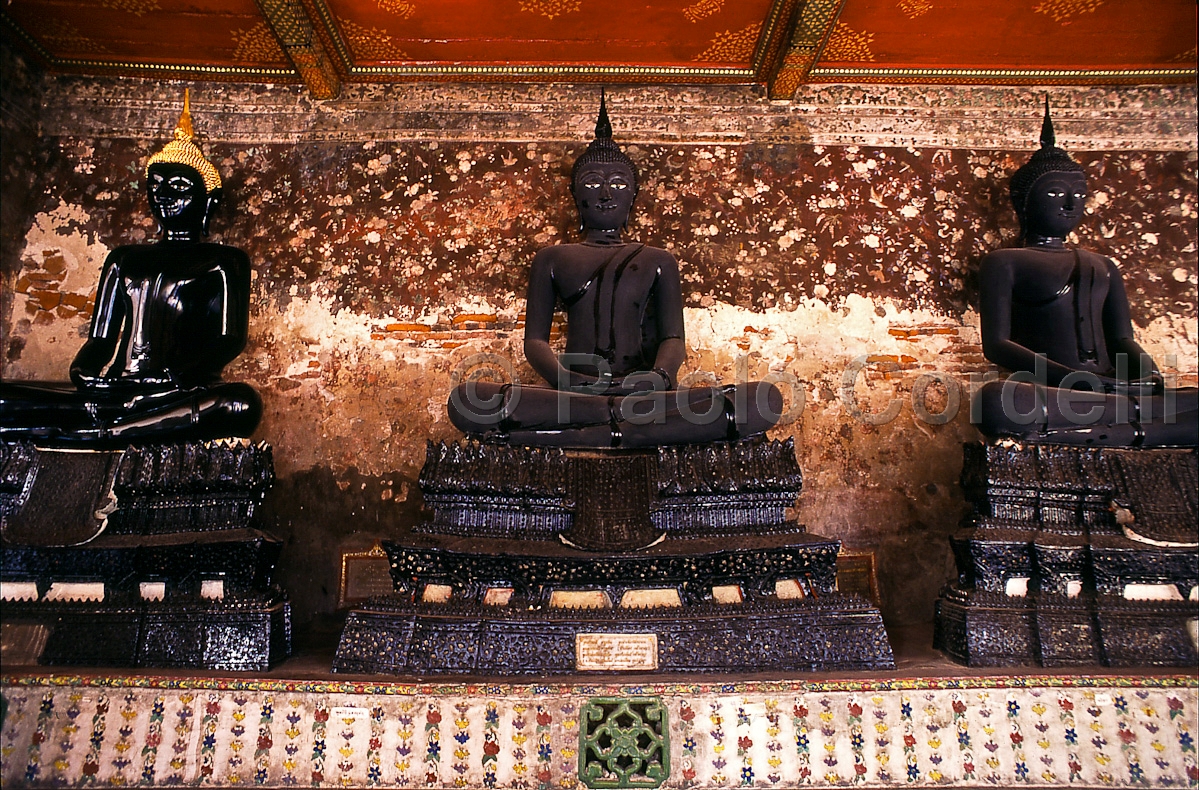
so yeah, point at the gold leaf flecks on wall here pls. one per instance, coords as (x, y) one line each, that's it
(1064, 11)
(371, 43)
(702, 9)
(848, 45)
(732, 47)
(135, 7)
(914, 8)
(550, 8)
(62, 36)
(398, 7)
(1190, 56)
(257, 45)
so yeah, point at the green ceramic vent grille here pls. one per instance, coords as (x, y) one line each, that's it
(623, 742)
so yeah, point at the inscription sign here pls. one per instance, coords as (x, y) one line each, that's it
(364, 575)
(349, 713)
(616, 651)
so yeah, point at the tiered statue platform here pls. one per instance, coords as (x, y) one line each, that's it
(1075, 556)
(141, 557)
(543, 561)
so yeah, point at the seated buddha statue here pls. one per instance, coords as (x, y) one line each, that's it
(1058, 318)
(168, 317)
(616, 384)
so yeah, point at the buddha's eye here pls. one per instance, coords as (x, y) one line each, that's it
(181, 183)
(618, 183)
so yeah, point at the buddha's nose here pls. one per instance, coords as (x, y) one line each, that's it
(1070, 200)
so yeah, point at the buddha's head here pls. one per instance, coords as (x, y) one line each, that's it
(1049, 192)
(183, 186)
(603, 180)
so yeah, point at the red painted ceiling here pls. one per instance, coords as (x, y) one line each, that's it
(561, 39)
(1014, 34)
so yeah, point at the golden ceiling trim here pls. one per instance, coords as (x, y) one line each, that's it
(123, 67)
(775, 33)
(1000, 76)
(173, 69)
(731, 74)
(319, 11)
(289, 21)
(179, 70)
(810, 34)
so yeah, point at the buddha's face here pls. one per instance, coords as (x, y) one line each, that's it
(178, 198)
(1055, 204)
(604, 193)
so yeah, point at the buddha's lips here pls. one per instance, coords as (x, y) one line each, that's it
(171, 208)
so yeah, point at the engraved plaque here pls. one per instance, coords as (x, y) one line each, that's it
(615, 652)
(364, 575)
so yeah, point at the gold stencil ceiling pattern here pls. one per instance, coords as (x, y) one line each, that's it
(779, 43)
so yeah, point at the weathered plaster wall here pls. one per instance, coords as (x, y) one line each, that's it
(391, 246)
(20, 93)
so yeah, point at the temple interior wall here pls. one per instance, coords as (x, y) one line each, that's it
(830, 243)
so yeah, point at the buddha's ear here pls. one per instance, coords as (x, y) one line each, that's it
(214, 197)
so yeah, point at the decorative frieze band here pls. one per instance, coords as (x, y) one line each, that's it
(1155, 118)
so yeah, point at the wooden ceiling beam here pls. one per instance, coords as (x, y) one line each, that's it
(813, 24)
(291, 24)
(777, 31)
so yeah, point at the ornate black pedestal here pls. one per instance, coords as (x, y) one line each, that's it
(541, 561)
(142, 557)
(1064, 544)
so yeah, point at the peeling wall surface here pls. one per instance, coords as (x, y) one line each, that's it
(838, 259)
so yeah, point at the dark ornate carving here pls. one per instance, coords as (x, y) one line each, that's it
(244, 560)
(614, 498)
(1079, 525)
(727, 488)
(183, 517)
(190, 487)
(750, 467)
(692, 568)
(496, 490)
(18, 468)
(238, 633)
(501, 491)
(709, 493)
(396, 637)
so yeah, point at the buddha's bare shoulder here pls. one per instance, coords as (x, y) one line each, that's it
(659, 256)
(200, 256)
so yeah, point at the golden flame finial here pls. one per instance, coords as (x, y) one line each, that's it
(184, 129)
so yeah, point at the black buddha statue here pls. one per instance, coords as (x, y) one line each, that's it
(168, 318)
(616, 383)
(1058, 317)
